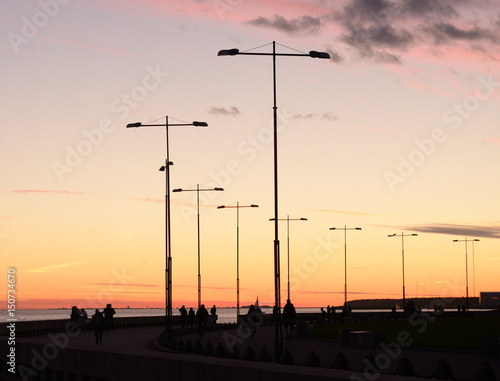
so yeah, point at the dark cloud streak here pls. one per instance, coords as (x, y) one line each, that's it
(303, 25)
(223, 111)
(459, 230)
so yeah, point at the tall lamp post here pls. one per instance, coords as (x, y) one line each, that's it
(278, 335)
(466, 269)
(168, 251)
(345, 229)
(237, 207)
(198, 190)
(288, 219)
(402, 235)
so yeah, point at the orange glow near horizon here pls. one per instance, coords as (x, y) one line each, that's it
(397, 133)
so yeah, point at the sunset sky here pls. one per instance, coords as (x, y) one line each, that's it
(397, 132)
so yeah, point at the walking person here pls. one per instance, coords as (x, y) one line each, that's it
(289, 315)
(98, 325)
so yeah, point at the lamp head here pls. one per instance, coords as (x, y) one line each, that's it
(228, 52)
(177, 190)
(254, 206)
(315, 54)
(358, 229)
(221, 207)
(303, 219)
(414, 234)
(332, 228)
(162, 168)
(219, 189)
(200, 124)
(136, 124)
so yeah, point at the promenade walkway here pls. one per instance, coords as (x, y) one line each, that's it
(131, 354)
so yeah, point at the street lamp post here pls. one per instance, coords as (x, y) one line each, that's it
(288, 219)
(466, 269)
(237, 207)
(345, 229)
(278, 336)
(168, 246)
(402, 235)
(198, 190)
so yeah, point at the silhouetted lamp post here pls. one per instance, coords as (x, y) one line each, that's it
(237, 207)
(288, 219)
(466, 269)
(168, 251)
(402, 235)
(345, 229)
(278, 336)
(198, 190)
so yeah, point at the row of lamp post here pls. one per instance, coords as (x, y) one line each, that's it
(278, 337)
(168, 267)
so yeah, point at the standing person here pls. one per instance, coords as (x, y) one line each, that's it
(191, 316)
(252, 312)
(202, 316)
(75, 314)
(84, 313)
(108, 316)
(289, 315)
(98, 324)
(213, 313)
(183, 316)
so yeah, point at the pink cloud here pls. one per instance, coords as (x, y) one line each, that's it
(495, 141)
(49, 191)
(343, 212)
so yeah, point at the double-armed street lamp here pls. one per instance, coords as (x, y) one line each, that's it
(168, 251)
(288, 219)
(402, 235)
(237, 207)
(198, 190)
(345, 229)
(466, 269)
(278, 336)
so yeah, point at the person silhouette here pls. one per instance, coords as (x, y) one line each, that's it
(183, 312)
(202, 316)
(108, 316)
(191, 316)
(83, 313)
(213, 314)
(98, 324)
(75, 314)
(289, 315)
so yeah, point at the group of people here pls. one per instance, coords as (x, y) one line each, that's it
(100, 320)
(201, 316)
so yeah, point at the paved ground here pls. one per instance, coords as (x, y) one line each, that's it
(463, 364)
(140, 341)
